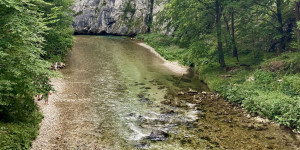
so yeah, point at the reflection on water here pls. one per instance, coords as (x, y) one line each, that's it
(126, 99)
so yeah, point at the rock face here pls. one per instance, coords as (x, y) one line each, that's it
(116, 17)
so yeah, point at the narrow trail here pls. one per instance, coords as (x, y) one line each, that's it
(117, 95)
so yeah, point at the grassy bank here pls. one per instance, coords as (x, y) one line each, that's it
(263, 83)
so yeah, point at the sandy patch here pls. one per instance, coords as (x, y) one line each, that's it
(173, 66)
(50, 126)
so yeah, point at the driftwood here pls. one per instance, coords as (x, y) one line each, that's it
(226, 76)
(244, 65)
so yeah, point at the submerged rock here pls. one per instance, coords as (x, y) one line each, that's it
(180, 93)
(257, 127)
(145, 100)
(166, 102)
(142, 145)
(139, 84)
(140, 96)
(161, 87)
(157, 135)
(192, 92)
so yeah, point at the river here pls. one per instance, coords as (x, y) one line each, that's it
(118, 95)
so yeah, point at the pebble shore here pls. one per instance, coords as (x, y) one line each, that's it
(50, 126)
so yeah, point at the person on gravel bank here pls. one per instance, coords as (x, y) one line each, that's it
(55, 66)
(47, 97)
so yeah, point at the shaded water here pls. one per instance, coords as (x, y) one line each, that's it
(118, 93)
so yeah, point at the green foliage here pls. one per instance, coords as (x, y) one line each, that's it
(264, 79)
(254, 30)
(59, 38)
(128, 8)
(157, 40)
(271, 94)
(291, 61)
(291, 85)
(23, 73)
(275, 106)
(30, 31)
(264, 95)
(254, 26)
(18, 135)
(268, 96)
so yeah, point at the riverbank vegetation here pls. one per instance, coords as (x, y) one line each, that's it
(248, 51)
(33, 33)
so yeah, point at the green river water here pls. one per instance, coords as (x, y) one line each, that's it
(119, 93)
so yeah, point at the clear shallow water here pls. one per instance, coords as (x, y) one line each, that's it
(117, 93)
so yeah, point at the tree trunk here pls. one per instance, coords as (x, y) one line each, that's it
(228, 30)
(150, 17)
(234, 48)
(219, 35)
(227, 25)
(280, 28)
(297, 11)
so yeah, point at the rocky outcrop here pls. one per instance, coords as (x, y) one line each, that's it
(116, 17)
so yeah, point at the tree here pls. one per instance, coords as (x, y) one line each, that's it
(219, 34)
(252, 27)
(25, 28)
(277, 18)
(59, 37)
(232, 7)
(280, 27)
(22, 73)
(297, 15)
(196, 21)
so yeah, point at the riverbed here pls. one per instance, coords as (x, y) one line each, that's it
(119, 95)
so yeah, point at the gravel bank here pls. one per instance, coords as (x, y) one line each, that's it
(50, 126)
(173, 66)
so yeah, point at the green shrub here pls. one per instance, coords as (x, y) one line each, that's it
(156, 40)
(19, 134)
(129, 8)
(291, 85)
(232, 93)
(266, 80)
(291, 62)
(277, 101)
(263, 77)
(275, 106)
(257, 57)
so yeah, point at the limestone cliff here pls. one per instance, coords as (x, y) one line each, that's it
(119, 17)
